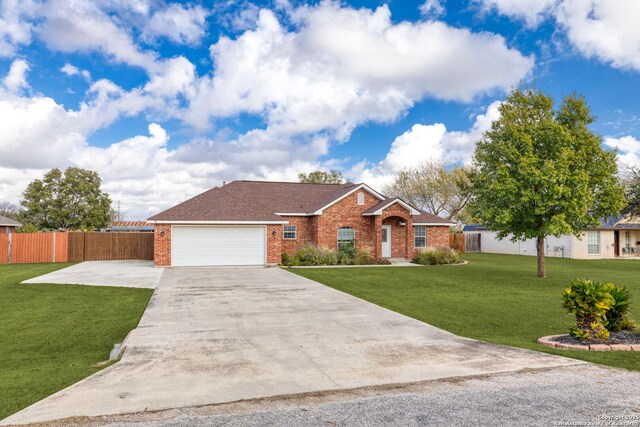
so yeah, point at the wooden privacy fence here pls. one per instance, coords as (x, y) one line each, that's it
(472, 242)
(110, 246)
(456, 242)
(20, 248)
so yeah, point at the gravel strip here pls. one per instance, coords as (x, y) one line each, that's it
(575, 395)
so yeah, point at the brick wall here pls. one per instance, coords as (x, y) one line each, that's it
(438, 236)
(306, 231)
(274, 244)
(347, 213)
(162, 245)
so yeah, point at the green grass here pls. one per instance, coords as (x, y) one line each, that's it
(495, 298)
(51, 335)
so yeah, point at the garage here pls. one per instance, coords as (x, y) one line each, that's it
(200, 246)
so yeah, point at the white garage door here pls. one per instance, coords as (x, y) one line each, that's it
(193, 246)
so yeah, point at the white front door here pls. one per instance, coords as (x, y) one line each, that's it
(386, 241)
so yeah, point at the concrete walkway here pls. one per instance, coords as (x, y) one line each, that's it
(130, 274)
(221, 335)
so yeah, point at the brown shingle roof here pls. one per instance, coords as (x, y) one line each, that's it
(262, 200)
(218, 204)
(379, 205)
(289, 197)
(429, 218)
(8, 222)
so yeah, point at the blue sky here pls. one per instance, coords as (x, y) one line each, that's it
(167, 99)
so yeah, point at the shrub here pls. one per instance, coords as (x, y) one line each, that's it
(615, 318)
(312, 256)
(589, 302)
(345, 256)
(437, 256)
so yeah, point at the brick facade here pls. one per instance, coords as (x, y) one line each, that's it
(274, 244)
(438, 236)
(306, 231)
(162, 245)
(347, 213)
(322, 230)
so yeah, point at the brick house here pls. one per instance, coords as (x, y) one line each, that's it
(8, 225)
(255, 222)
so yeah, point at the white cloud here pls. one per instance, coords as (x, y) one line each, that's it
(531, 11)
(180, 24)
(175, 75)
(433, 8)
(602, 29)
(344, 67)
(15, 24)
(628, 149)
(71, 70)
(16, 78)
(424, 143)
(81, 26)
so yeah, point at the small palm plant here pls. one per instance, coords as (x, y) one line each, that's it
(616, 317)
(589, 302)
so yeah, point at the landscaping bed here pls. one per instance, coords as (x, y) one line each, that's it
(622, 337)
(312, 256)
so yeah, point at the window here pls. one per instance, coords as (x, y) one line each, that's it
(360, 198)
(346, 237)
(627, 239)
(593, 242)
(420, 236)
(289, 232)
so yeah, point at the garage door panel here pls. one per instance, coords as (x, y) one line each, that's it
(217, 246)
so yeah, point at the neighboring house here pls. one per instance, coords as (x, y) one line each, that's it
(8, 225)
(613, 238)
(129, 226)
(255, 222)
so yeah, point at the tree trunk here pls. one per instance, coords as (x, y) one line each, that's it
(540, 252)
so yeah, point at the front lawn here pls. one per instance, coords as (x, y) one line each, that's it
(495, 298)
(51, 335)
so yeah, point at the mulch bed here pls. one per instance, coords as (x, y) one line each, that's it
(623, 337)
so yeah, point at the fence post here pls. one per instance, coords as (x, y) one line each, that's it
(9, 249)
(54, 246)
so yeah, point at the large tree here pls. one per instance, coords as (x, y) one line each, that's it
(542, 172)
(321, 177)
(433, 187)
(632, 184)
(72, 200)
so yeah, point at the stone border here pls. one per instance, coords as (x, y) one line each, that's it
(592, 347)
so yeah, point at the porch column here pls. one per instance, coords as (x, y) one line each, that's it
(378, 235)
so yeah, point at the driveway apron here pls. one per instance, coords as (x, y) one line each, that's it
(220, 335)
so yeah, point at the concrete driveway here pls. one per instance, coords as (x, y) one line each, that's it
(220, 335)
(130, 274)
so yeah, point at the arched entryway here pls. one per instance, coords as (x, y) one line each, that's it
(394, 237)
